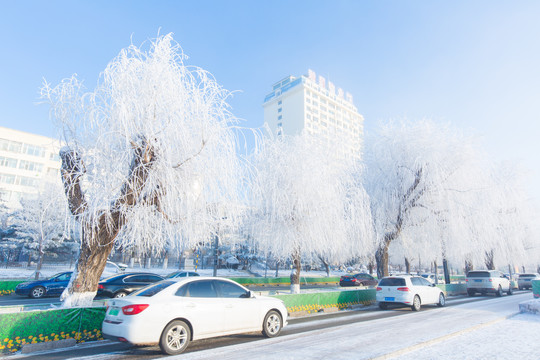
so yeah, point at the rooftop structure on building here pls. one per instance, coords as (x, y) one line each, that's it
(312, 104)
(28, 163)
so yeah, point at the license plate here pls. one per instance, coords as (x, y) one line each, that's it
(389, 299)
(114, 312)
(477, 280)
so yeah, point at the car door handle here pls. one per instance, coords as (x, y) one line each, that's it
(191, 305)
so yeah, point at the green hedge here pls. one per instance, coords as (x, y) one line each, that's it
(316, 302)
(8, 286)
(260, 281)
(536, 288)
(18, 329)
(453, 289)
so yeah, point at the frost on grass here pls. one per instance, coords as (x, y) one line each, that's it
(150, 158)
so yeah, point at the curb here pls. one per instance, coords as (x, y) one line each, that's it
(51, 345)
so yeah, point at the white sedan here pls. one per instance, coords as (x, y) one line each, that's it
(174, 312)
(413, 291)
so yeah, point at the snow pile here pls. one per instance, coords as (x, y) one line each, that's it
(531, 307)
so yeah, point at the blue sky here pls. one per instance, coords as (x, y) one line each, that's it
(475, 64)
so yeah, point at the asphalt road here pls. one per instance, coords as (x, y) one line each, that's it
(116, 351)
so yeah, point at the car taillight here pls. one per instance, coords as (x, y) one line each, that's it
(134, 309)
(466, 280)
(100, 287)
(379, 288)
(403, 289)
(490, 280)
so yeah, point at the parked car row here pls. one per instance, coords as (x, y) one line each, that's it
(117, 285)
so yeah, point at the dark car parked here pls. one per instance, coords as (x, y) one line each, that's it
(53, 286)
(361, 279)
(124, 284)
(178, 274)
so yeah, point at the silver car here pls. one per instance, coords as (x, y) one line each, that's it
(525, 280)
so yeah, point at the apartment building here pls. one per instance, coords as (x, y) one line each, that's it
(28, 162)
(310, 103)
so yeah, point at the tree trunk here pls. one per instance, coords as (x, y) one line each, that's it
(370, 268)
(295, 275)
(490, 263)
(381, 257)
(436, 271)
(468, 266)
(98, 233)
(96, 246)
(446, 272)
(407, 266)
(326, 265)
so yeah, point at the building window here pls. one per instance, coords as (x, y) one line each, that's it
(7, 179)
(279, 124)
(26, 181)
(30, 166)
(34, 150)
(8, 162)
(279, 110)
(279, 102)
(8, 145)
(280, 117)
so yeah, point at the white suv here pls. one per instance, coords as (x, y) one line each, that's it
(408, 290)
(488, 281)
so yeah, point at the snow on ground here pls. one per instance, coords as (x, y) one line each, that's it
(476, 329)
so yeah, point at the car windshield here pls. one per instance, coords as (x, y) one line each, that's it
(392, 282)
(54, 276)
(152, 290)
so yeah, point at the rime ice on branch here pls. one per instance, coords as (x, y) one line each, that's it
(307, 204)
(149, 151)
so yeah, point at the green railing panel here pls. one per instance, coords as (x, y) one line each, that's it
(536, 288)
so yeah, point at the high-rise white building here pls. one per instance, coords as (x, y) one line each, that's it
(314, 105)
(28, 162)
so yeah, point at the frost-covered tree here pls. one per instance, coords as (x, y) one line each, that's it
(307, 203)
(40, 223)
(427, 184)
(149, 153)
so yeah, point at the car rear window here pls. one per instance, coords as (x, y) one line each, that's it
(392, 282)
(152, 290)
(479, 274)
(527, 275)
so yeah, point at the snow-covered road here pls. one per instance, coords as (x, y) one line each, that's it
(484, 329)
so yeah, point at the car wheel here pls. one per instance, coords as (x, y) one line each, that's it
(416, 303)
(510, 290)
(119, 294)
(175, 338)
(272, 324)
(37, 292)
(442, 300)
(470, 292)
(499, 291)
(383, 306)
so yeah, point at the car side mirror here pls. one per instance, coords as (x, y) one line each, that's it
(247, 295)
